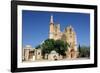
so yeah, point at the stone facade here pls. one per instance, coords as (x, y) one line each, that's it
(54, 31)
(38, 54)
(31, 54)
(68, 36)
(53, 55)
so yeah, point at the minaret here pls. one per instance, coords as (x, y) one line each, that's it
(51, 28)
(51, 19)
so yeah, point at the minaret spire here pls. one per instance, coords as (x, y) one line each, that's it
(51, 19)
(51, 28)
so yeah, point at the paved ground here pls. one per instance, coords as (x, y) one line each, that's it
(58, 60)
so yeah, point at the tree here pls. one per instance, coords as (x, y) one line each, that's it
(79, 49)
(84, 51)
(47, 46)
(38, 46)
(60, 47)
(50, 44)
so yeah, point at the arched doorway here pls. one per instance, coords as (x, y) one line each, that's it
(72, 53)
(55, 57)
(31, 54)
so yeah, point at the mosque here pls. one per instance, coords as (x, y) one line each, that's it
(68, 35)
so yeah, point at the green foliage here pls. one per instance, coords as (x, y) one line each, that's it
(60, 47)
(48, 45)
(84, 51)
(37, 47)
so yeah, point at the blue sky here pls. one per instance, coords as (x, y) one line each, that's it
(35, 26)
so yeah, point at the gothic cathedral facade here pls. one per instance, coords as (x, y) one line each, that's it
(68, 35)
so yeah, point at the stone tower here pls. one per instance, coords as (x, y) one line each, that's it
(51, 29)
(70, 38)
(54, 30)
(57, 33)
